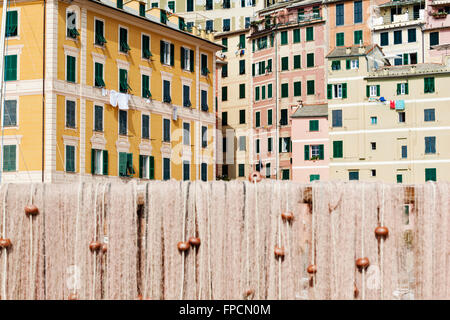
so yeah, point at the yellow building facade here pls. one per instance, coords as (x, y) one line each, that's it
(106, 89)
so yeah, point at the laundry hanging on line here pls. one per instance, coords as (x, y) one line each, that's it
(399, 104)
(119, 99)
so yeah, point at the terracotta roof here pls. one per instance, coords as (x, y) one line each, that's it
(308, 111)
(339, 52)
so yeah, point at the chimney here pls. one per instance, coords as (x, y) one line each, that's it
(361, 50)
(348, 50)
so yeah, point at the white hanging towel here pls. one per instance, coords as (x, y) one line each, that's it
(122, 101)
(175, 113)
(113, 95)
(104, 92)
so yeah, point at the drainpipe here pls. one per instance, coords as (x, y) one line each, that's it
(277, 124)
(2, 72)
(43, 90)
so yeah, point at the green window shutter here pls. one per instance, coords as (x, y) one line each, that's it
(141, 165)
(269, 91)
(399, 178)
(344, 90)
(92, 161)
(330, 91)
(9, 158)
(378, 90)
(399, 88)
(269, 65)
(182, 52)
(242, 91)
(297, 89)
(162, 51)
(130, 163)
(172, 54)
(347, 64)
(70, 158)
(258, 119)
(309, 33)
(253, 69)
(405, 58)
(263, 92)
(280, 141)
(269, 117)
(284, 90)
(339, 39)
(242, 41)
(105, 162)
(70, 72)
(284, 63)
(225, 44)
(306, 152)
(152, 168)
(430, 174)
(406, 88)
(357, 36)
(122, 164)
(431, 82)
(257, 93)
(321, 156)
(310, 87)
(284, 37)
(11, 23)
(296, 35)
(337, 149)
(368, 91)
(146, 86)
(310, 60)
(297, 62)
(313, 125)
(191, 59)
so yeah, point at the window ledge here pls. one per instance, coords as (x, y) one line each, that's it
(99, 46)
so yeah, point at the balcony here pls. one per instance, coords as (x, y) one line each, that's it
(307, 17)
(399, 20)
(439, 2)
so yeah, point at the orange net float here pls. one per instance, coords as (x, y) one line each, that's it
(183, 246)
(312, 269)
(355, 291)
(381, 232)
(362, 263)
(104, 248)
(249, 293)
(194, 241)
(5, 243)
(255, 176)
(31, 210)
(287, 216)
(95, 246)
(73, 296)
(279, 252)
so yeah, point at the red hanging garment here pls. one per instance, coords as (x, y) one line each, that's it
(392, 104)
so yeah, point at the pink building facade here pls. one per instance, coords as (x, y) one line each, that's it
(437, 30)
(310, 143)
(288, 70)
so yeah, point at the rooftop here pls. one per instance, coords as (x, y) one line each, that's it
(354, 51)
(409, 70)
(400, 3)
(307, 111)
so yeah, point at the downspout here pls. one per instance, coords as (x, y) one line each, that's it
(43, 89)
(277, 123)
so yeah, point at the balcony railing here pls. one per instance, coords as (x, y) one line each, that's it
(400, 18)
(309, 17)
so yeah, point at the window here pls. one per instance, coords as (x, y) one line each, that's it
(309, 33)
(336, 65)
(145, 126)
(430, 174)
(166, 92)
(338, 151)
(123, 122)
(99, 161)
(209, 5)
(358, 37)
(284, 144)
(120, 4)
(285, 174)
(310, 87)
(384, 38)
(205, 70)
(257, 119)
(336, 118)
(70, 159)
(428, 85)
(434, 39)
(297, 61)
(284, 37)
(166, 130)
(257, 145)
(224, 71)
(224, 118)
(166, 169)
(98, 118)
(269, 117)
(70, 68)
(190, 5)
(373, 145)
(100, 33)
(146, 167)
(224, 93)
(353, 175)
(430, 145)
(186, 96)
(242, 116)
(336, 91)
(225, 44)
(373, 120)
(204, 172)
(411, 35)
(313, 125)
(402, 88)
(313, 177)
(71, 24)
(167, 53)
(284, 63)
(373, 90)
(247, 22)
(142, 9)
(352, 64)
(146, 54)
(357, 11)
(123, 81)
(70, 114)
(186, 170)
(268, 170)
(398, 37)
(310, 60)
(146, 87)
(171, 5)
(269, 65)
(123, 40)
(163, 17)
(10, 113)
(155, 5)
(224, 144)
(340, 14)
(204, 100)
(99, 75)
(296, 35)
(241, 170)
(429, 115)
(373, 172)
(399, 178)
(404, 152)
(242, 91)
(269, 91)
(339, 39)
(209, 25)
(9, 158)
(401, 117)
(186, 133)
(284, 90)
(204, 137)
(241, 66)
(242, 143)
(269, 144)
(284, 117)
(11, 24)
(297, 89)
